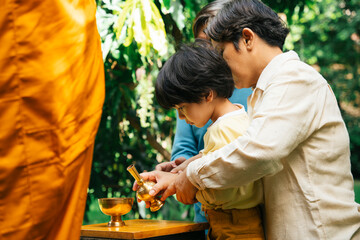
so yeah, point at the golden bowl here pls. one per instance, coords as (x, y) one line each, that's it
(115, 207)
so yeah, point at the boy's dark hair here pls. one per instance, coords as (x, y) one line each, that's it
(236, 15)
(191, 73)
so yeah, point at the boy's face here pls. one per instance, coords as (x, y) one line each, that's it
(197, 114)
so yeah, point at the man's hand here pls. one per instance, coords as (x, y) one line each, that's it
(170, 178)
(162, 180)
(185, 191)
(168, 166)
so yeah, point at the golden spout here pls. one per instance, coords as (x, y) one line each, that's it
(135, 174)
(144, 189)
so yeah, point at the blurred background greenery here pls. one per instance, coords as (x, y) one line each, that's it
(138, 36)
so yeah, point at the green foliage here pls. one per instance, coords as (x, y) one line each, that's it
(138, 36)
(357, 191)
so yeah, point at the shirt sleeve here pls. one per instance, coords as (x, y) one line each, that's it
(279, 124)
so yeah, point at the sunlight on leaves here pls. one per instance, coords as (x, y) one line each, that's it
(144, 25)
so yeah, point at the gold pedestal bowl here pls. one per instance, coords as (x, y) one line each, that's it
(115, 207)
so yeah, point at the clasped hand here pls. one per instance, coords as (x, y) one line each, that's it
(169, 183)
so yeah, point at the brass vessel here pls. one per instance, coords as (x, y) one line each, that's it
(143, 191)
(115, 207)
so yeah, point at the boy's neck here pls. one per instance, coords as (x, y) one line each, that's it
(222, 107)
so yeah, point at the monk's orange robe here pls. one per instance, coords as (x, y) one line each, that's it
(51, 97)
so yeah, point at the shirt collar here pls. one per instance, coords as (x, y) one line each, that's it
(274, 66)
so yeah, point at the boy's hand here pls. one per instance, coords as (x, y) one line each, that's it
(184, 164)
(168, 166)
(181, 167)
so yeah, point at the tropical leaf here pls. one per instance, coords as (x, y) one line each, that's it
(144, 25)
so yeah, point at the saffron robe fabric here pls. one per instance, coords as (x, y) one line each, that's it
(51, 97)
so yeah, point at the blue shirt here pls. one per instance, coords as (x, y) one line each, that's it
(189, 139)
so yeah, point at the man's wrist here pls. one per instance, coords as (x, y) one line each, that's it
(193, 176)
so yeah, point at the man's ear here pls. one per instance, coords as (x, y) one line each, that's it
(248, 37)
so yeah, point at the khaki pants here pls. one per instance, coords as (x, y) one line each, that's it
(235, 224)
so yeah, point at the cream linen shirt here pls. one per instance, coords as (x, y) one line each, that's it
(223, 131)
(298, 143)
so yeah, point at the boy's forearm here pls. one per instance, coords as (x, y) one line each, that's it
(194, 158)
(183, 166)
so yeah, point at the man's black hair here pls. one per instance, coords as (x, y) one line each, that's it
(228, 24)
(191, 73)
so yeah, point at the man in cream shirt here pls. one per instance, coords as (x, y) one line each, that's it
(297, 140)
(301, 150)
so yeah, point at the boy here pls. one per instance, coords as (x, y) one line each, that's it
(188, 139)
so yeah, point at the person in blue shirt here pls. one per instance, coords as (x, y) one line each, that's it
(188, 139)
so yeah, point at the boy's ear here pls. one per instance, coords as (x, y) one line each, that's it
(248, 38)
(210, 96)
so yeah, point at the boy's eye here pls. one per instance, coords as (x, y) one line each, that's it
(181, 109)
